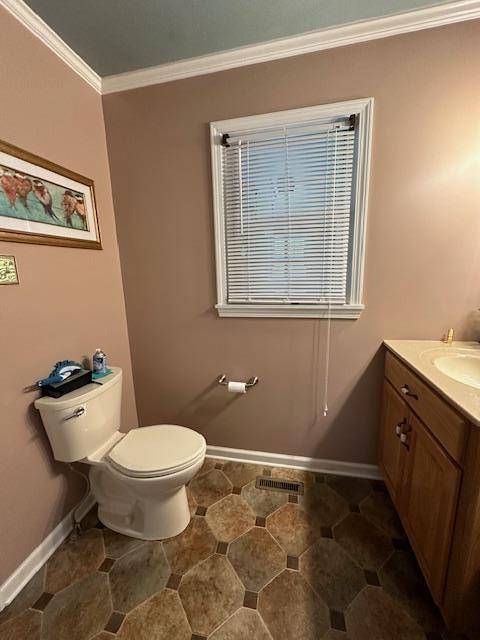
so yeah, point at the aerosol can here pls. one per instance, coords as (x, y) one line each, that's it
(99, 362)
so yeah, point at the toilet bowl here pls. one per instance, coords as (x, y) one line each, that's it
(140, 483)
(138, 478)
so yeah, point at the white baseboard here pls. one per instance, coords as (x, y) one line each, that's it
(39, 556)
(318, 465)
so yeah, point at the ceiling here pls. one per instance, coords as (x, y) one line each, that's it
(114, 36)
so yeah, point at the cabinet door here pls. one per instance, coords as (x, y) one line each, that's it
(431, 493)
(392, 453)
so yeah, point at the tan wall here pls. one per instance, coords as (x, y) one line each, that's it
(69, 300)
(422, 261)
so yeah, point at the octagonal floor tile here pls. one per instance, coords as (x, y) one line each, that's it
(293, 528)
(331, 573)
(256, 558)
(79, 611)
(26, 598)
(363, 541)
(117, 545)
(324, 504)
(76, 558)
(192, 546)
(291, 609)
(245, 623)
(138, 575)
(379, 509)
(374, 615)
(210, 592)
(307, 477)
(262, 501)
(401, 578)
(162, 617)
(210, 487)
(241, 473)
(353, 490)
(230, 517)
(25, 625)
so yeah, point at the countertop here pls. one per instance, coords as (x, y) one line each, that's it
(419, 355)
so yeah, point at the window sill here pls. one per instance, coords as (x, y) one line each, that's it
(341, 312)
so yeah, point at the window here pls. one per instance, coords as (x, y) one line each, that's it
(290, 193)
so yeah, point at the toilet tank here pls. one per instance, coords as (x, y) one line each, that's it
(80, 422)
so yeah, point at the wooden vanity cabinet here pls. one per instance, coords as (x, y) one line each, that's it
(435, 489)
(423, 483)
(432, 481)
(392, 453)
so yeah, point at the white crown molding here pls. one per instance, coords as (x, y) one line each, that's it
(329, 38)
(317, 465)
(434, 16)
(45, 34)
(39, 556)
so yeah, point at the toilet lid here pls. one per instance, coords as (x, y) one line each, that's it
(157, 450)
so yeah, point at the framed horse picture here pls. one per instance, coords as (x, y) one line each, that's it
(43, 203)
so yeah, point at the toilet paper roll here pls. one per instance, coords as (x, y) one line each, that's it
(237, 387)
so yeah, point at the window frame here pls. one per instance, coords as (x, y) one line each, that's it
(363, 108)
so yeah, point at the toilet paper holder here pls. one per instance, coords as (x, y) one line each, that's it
(251, 382)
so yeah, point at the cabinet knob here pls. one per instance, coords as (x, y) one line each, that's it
(404, 440)
(406, 392)
(399, 427)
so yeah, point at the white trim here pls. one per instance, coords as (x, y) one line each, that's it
(343, 312)
(47, 35)
(318, 465)
(39, 556)
(329, 38)
(361, 200)
(363, 108)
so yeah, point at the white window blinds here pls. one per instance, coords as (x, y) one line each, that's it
(290, 196)
(288, 213)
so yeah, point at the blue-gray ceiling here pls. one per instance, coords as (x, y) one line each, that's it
(113, 36)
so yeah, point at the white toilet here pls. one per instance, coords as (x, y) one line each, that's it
(138, 478)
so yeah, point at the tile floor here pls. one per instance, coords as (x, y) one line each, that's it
(332, 564)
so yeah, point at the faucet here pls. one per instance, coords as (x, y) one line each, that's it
(448, 339)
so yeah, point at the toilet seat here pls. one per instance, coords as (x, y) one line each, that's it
(156, 451)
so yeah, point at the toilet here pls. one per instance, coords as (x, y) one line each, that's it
(138, 478)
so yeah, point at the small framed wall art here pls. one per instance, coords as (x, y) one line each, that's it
(8, 270)
(43, 203)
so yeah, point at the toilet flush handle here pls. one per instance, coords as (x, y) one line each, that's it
(76, 414)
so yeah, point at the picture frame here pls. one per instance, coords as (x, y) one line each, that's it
(44, 203)
(8, 270)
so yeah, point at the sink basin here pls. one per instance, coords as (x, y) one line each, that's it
(461, 367)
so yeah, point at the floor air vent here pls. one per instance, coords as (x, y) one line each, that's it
(274, 484)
